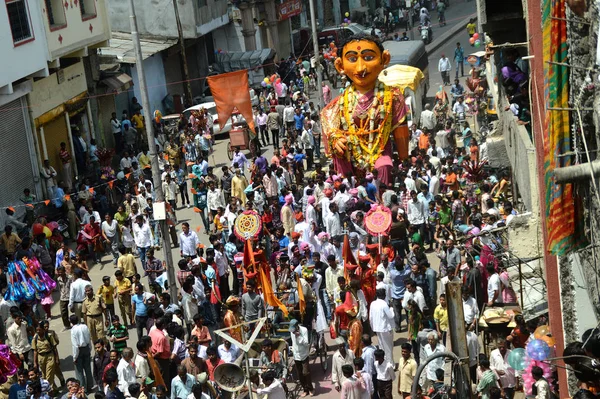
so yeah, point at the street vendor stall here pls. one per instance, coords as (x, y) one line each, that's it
(497, 322)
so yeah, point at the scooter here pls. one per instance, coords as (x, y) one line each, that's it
(426, 34)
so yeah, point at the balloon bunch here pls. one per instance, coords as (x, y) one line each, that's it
(331, 53)
(27, 281)
(528, 380)
(9, 363)
(474, 40)
(269, 82)
(47, 229)
(347, 19)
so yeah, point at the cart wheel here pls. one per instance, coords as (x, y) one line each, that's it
(229, 151)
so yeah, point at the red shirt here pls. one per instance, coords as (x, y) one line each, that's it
(211, 368)
(160, 344)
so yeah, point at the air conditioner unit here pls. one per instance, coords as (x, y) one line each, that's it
(235, 14)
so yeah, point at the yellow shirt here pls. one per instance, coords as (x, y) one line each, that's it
(217, 222)
(138, 121)
(440, 315)
(407, 369)
(107, 293)
(122, 285)
(144, 161)
(126, 263)
(470, 29)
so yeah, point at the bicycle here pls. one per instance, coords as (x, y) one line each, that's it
(317, 339)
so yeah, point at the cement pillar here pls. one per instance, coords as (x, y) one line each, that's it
(248, 28)
(272, 34)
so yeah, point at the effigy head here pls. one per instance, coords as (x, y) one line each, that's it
(361, 58)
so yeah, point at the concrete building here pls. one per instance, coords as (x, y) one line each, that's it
(561, 46)
(58, 103)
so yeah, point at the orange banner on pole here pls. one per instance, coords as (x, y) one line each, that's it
(231, 90)
(301, 300)
(347, 257)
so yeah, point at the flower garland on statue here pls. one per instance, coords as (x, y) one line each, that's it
(367, 141)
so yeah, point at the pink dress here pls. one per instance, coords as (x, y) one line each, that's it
(508, 294)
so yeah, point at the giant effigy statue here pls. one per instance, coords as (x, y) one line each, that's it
(358, 125)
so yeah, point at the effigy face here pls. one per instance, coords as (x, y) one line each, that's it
(362, 61)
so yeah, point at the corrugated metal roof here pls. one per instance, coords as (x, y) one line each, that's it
(121, 46)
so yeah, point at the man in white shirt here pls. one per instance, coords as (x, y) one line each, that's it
(77, 292)
(385, 375)
(301, 348)
(228, 352)
(81, 342)
(416, 212)
(494, 286)
(126, 371)
(428, 118)
(332, 224)
(361, 372)
(444, 67)
(341, 357)
(499, 365)
(17, 339)
(170, 189)
(470, 309)
(413, 292)
(142, 235)
(433, 346)
(273, 388)
(126, 161)
(460, 107)
(381, 317)
(188, 241)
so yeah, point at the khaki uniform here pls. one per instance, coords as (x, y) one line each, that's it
(93, 311)
(45, 346)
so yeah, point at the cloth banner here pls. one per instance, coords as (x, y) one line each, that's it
(565, 230)
(231, 90)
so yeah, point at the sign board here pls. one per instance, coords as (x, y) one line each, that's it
(289, 9)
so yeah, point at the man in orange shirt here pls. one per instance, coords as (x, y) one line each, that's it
(424, 139)
(161, 349)
(452, 180)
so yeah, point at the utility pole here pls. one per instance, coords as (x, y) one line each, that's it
(313, 22)
(187, 85)
(457, 331)
(156, 176)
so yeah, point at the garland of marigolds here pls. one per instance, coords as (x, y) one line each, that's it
(366, 142)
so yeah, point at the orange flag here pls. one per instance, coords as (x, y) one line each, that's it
(189, 163)
(11, 208)
(267, 289)
(198, 229)
(248, 254)
(127, 175)
(231, 90)
(47, 202)
(347, 256)
(301, 300)
(192, 176)
(110, 183)
(29, 205)
(193, 191)
(67, 197)
(166, 157)
(91, 190)
(158, 378)
(197, 210)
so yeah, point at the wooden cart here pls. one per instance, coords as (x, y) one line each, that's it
(241, 136)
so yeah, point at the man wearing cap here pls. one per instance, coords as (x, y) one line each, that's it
(302, 227)
(93, 309)
(232, 317)
(367, 278)
(301, 349)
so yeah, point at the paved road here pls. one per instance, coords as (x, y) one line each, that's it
(457, 12)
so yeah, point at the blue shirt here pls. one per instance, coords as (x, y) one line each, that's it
(140, 307)
(284, 242)
(299, 158)
(299, 121)
(17, 391)
(398, 277)
(180, 389)
(58, 201)
(371, 191)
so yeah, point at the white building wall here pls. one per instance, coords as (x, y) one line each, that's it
(73, 31)
(156, 83)
(30, 56)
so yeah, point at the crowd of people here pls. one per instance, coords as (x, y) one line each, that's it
(329, 273)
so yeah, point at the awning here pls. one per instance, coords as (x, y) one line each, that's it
(118, 83)
(72, 106)
(236, 60)
(121, 46)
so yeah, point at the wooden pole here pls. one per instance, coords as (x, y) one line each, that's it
(457, 330)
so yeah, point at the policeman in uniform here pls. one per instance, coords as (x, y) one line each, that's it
(93, 310)
(45, 355)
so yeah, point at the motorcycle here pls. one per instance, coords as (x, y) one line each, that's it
(426, 33)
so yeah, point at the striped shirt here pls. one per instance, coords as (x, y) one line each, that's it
(118, 332)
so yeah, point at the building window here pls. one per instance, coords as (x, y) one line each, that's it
(201, 3)
(18, 17)
(88, 9)
(56, 14)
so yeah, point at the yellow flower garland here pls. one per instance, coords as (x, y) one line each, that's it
(366, 142)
